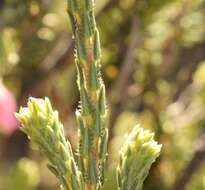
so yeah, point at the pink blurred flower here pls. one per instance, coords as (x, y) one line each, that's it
(8, 123)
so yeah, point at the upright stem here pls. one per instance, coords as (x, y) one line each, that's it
(92, 113)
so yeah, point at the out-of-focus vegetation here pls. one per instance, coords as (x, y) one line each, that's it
(154, 70)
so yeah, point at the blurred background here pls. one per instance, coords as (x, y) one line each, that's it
(153, 65)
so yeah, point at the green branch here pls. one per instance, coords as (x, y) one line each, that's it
(43, 127)
(136, 157)
(91, 116)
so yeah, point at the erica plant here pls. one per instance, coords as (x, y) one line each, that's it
(41, 123)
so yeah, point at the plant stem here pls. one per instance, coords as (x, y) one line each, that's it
(92, 113)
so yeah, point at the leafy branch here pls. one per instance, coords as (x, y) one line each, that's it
(40, 122)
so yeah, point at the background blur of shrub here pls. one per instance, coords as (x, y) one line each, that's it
(154, 69)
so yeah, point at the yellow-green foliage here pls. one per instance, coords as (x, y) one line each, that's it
(41, 123)
(136, 157)
(43, 127)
